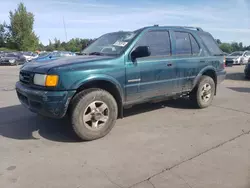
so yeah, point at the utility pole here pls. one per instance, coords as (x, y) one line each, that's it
(65, 30)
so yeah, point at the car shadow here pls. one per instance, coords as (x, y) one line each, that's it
(240, 76)
(240, 89)
(16, 122)
(182, 103)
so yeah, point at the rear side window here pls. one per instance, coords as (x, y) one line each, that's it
(211, 44)
(157, 41)
(194, 45)
(183, 45)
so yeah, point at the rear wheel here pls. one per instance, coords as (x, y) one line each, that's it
(203, 94)
(93, 114)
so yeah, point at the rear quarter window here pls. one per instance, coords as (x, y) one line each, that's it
(211, 44)
(183, 45)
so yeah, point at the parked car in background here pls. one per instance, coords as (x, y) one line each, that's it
(50, 56)
(30, 56)
(238, 58)
(247, 70)
(225, 54)
(122, 69)
(12, 59)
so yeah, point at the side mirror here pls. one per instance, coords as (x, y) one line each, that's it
(140, 51)
(50, 57)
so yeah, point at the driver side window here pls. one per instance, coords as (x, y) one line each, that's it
(157, 41)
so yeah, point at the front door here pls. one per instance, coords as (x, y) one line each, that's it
(150, 76)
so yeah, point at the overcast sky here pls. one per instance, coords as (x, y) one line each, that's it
(228, 20)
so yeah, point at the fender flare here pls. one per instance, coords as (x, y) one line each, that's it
(208, 68)
(100, 77)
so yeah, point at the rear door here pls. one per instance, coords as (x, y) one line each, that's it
(188, 60)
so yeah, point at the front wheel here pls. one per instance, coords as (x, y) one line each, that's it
(93, 114)
(203, 94)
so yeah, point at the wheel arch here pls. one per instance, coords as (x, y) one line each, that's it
(208, 71)
(108, 84)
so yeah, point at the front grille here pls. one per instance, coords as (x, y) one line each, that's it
(26, 77)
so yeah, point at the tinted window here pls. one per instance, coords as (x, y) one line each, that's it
(183, 46)
(236, 54)
(211, 44)
(194, 45)
(157, 41)
(10, 55)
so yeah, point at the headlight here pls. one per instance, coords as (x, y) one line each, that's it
(46, 80)
(12, 60)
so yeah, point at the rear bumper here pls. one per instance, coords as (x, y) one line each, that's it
(52, 104)
(221, 76)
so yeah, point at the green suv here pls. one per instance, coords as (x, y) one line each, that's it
(122, 69)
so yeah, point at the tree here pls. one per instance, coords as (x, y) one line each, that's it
(226, 47)
(2, 36)
(50, 47)
(21, 29)
(40, 47)
(235, 46)
(247, 48)
(57, 44)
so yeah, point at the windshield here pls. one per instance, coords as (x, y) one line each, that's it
(110, 44)
(43, 54)
(236, 54)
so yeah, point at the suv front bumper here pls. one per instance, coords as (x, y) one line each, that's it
(52, 104)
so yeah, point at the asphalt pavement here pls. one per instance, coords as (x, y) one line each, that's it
(162, 145)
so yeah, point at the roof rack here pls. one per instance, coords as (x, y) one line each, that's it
(187, 27)
(183, 27)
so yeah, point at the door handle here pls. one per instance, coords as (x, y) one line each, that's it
(169, 64)
(202, 61)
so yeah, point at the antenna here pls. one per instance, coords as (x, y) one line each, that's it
(65, 30)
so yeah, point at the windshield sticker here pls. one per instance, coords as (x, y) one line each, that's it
(120, 43)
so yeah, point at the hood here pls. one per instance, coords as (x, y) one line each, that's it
(45, 66)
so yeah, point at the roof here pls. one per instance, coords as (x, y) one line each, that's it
(175, 27)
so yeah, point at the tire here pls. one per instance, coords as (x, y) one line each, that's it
(81, 107)
(241, 62)
(197, 97)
